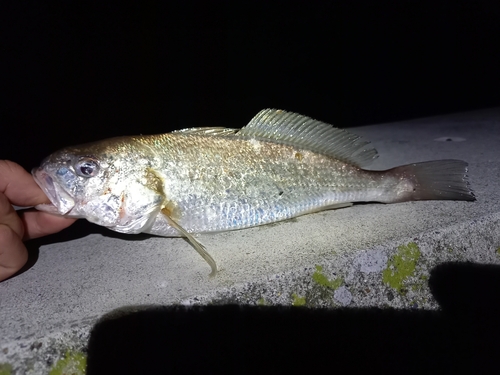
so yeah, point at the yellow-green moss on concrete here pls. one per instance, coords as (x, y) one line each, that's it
(298, 301)
(5, 369)
(261, 302)
(73, 363)
(401, 265)
(320, 279)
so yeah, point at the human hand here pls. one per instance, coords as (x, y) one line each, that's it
(18, 187)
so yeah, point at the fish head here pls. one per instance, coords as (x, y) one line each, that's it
(105, 182)
(66, 178)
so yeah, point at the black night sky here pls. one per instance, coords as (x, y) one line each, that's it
(74, 72)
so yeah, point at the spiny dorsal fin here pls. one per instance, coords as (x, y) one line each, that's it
(304, 132)
(215, 131)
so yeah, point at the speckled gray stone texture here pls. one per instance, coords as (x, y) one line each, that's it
(332, 258)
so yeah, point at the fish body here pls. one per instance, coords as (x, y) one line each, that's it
(201, 180)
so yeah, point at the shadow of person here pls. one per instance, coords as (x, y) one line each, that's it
(467, 289)
(277, 339)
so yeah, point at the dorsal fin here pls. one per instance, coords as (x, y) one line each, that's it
(304, 132)
(215, 131)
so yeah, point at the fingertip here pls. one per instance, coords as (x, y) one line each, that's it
(38, 223)
(54, 222)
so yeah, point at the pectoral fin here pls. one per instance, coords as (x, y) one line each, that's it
(197, 245)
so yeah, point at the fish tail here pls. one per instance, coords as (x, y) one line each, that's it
(440, 179)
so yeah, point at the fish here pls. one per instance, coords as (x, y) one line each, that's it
(214, 179)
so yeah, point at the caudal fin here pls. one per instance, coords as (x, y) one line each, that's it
(440, 179)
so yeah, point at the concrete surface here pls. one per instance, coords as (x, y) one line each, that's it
(365, 255)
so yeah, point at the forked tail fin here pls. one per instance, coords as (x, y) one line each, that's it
(440, 179)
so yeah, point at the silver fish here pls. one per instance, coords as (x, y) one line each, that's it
(200, 180)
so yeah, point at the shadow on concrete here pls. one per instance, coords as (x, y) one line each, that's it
(80, 229)
(462, 338)
(467, 289)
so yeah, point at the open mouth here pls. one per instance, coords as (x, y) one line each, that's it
(61, 201)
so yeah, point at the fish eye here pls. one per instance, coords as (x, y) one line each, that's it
(87, 167)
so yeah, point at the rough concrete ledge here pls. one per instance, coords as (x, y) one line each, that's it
(368, 255)
(393, 275)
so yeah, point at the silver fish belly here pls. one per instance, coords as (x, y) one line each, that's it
(200, 180)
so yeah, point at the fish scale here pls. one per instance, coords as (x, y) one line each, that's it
(253, 176)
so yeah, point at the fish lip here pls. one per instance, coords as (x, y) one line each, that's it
(59, 198)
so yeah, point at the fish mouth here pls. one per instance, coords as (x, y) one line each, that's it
(61, 201)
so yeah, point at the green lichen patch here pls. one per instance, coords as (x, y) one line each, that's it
(320, 279)
(298, 301)
(5, 368)
(74, 363)
(498, 251)
(401, 266)
(261, 302)
(416, 287)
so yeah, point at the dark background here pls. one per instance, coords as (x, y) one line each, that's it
(74, 72)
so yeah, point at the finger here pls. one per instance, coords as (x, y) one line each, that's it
(13, 253)
(38, 223)
(9, 217)
(19, 186)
